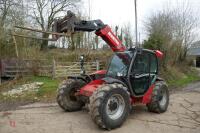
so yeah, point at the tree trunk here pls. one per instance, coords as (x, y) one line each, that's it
(72, 43)
(44, 44)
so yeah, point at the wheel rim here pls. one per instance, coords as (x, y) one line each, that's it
(115, 106)
(163, 97)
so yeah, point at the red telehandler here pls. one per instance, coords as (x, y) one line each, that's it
(131, 78)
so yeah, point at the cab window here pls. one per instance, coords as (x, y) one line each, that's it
(153, 64)
(141, 64)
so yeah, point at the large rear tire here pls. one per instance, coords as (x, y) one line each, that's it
(66, 98)
(160, 98)
(110, 105)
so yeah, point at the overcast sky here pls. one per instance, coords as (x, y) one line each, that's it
(121, 12)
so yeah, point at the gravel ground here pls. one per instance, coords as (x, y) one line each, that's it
(183, 116)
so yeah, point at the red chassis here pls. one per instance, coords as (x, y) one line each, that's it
(88, 90)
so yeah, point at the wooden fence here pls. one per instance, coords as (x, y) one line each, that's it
(48, 68)
(63, 69)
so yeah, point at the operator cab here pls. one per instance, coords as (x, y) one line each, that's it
(138, 69)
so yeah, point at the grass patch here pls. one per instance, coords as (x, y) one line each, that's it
(180, 76)
(184, 80)
(48, 90)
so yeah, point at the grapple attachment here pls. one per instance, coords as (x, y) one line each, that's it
(70, 24)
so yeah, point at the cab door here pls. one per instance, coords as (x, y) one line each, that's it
(140, 73)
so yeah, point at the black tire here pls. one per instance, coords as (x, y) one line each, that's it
(99, 103)
(160, 98)
(65, 97)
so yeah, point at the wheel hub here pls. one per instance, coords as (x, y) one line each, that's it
(113, 106)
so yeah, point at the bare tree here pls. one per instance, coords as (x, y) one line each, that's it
(11, 13)
(9, 9)
(172, 31)
(45, 11)
(5, 6)
(185, 23)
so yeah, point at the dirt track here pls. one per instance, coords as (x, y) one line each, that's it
(183, 116)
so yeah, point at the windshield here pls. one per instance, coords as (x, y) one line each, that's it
(120, 63)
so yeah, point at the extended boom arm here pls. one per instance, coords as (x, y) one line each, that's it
(71, 23)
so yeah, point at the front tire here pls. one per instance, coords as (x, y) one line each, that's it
(160, 98)
(110, 105)
(66, 98)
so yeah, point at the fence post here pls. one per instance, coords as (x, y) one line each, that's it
(15, 43)
(54, 69)
(97, 65)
